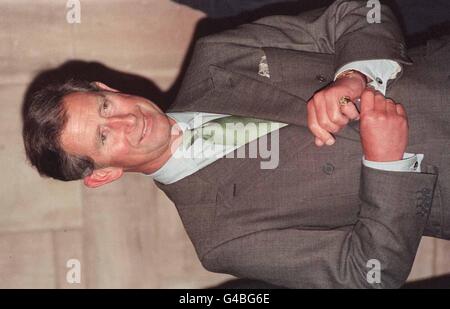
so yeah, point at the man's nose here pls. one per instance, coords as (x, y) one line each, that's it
(128, 122)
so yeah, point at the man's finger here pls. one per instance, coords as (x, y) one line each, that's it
(323, 120)
(367, 100)
(390, 107)
(334, 113)
(318, 141)
(380, 102)
(316, 130)
(400, 109)
(320, 104)
(350, 111)
(336, 116)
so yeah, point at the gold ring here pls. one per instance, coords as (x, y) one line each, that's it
(344, 100)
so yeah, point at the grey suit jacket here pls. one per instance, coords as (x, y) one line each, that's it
(320, 216)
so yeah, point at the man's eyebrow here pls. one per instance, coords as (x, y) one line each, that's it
(100, 96)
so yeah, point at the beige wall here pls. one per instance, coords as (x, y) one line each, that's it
(127, 234)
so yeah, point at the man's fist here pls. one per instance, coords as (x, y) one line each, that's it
(383, 127)
(325, 116)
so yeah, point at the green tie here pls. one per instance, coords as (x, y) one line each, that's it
(231, 131)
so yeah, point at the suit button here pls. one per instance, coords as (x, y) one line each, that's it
(321, 78)
(328, 168)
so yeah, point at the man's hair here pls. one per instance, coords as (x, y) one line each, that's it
(44, 118)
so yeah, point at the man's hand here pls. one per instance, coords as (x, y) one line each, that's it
(325, 116)
(383, 127)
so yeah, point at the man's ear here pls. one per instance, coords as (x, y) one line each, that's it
(104, 87)
(100, 177)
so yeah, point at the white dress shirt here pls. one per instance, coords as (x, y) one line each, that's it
(379, 71)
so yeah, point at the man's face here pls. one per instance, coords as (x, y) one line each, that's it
(115, 129)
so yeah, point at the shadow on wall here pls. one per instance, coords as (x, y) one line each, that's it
(95, 71)
(224, 15)
(138, 85)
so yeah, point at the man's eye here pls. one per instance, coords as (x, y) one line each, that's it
(105, 105)
(103, 137)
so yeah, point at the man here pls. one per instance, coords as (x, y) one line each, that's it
(320, 218)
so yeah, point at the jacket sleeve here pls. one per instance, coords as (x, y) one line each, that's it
(341, 29)
(394, 211)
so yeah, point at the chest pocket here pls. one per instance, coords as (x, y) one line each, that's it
(291, 68)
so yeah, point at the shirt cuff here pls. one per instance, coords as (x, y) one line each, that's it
(378, 71)
(411, 163)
